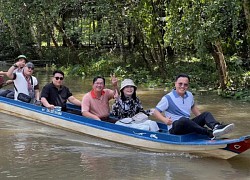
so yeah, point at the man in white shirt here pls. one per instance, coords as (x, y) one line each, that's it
(20, 63)
(24, 82)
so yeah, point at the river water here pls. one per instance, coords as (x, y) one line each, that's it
(31, 150)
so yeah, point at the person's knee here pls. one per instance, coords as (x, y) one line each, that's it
(10, 95)
(182, 121)
(206, 113)
(4, 93)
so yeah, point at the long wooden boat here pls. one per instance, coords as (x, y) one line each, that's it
(152, 141)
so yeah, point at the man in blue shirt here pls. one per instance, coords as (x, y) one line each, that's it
(178, 105)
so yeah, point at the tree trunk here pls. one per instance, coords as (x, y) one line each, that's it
(15, 35)
(246, 5)
(38, 50)
(121, 45)
(65, 37)
(51, 36)
(220, 64)
(53, 39)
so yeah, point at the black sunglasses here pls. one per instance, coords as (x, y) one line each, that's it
(30, 68)
(57, 78)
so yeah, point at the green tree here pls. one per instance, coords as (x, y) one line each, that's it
(203, 26)
(246, 5)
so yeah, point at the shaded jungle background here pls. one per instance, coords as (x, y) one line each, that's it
(148, 41)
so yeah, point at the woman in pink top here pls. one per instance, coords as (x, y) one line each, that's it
(95, 104)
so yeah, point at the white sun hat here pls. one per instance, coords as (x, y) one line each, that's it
(127, 82)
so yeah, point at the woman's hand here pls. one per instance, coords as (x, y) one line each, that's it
(116, 95)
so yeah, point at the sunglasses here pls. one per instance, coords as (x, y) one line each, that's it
(30, 68)
(183, 84)
(57, 78)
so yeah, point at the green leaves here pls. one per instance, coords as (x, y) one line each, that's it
(200, 22)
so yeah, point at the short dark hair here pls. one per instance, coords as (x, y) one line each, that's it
(182, 75)
(58, 71)
(99, 77)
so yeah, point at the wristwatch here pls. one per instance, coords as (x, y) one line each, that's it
(15, 65)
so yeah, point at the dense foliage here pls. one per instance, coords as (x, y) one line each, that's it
(148, 40)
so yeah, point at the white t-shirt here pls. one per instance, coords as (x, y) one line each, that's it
(21, 84)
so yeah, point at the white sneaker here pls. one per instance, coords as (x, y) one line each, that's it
(220, 129)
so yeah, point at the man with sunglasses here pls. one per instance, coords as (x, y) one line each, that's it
(24, 82)
(178, 105)
(56, 94)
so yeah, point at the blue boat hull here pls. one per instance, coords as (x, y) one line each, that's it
(151, 141)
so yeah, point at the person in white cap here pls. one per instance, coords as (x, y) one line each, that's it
(128, 106)
(24, 82)
(20, 63)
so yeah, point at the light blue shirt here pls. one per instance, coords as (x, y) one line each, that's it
(175, 106)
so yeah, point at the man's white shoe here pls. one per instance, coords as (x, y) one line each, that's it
(220, 130)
